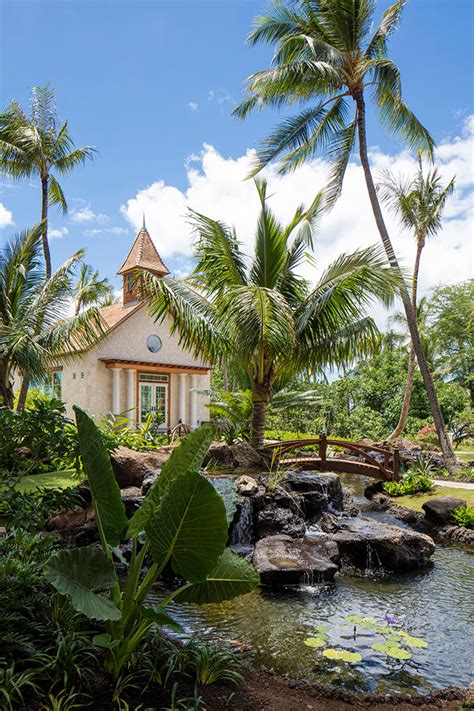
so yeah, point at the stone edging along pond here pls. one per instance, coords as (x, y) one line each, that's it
(440, 531)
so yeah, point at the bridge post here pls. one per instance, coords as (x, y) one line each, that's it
(322, 450)
(396, 464)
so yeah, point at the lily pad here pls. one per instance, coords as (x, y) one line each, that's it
(362, 621)
(399, 653)
(411, 641)
(392, 650)
(322, 628)
(315, 642)
(343, 655)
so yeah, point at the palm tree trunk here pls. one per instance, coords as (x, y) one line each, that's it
(444, 441)
(44, 217)
(6, 389)
(257, 428)
(411, 362)
(23, 393)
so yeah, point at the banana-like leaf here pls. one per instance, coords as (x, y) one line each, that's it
(161, 617)
(82, 573)
(232, 576)
(189, 526)
(108, 505)
(187, 457)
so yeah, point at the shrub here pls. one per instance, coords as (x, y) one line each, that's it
(30, 510)
(416, 480)
(37, 440)
(464, 516)
(116, 432)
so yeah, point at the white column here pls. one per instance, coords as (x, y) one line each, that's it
(182, 397)
(131, 390)
(116, 390)
(194, 402)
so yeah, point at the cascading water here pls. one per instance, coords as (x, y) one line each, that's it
(242, 529)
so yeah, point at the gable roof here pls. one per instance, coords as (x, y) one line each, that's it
(116, 313)
(144, 255)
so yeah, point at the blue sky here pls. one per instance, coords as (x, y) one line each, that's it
(148, 83)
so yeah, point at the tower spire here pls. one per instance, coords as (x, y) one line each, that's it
(143, 225)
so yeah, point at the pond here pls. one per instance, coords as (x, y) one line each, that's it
(436, 604)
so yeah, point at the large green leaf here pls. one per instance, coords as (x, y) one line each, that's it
(187, 457)
(188, 525)
(82, 573)
(108, 505)
(232, 576)
(160, 617)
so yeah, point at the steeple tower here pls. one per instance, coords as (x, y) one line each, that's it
(143, 256)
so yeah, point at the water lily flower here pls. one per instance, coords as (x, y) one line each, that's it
(390, 620)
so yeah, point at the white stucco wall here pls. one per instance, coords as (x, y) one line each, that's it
(88, 383)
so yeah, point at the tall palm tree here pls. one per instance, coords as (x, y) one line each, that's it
(89, 290)
(259, 314)
(34, 323)
(327, 53)
(35, 145)
(418, 203)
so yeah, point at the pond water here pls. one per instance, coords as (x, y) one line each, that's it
(436, 604)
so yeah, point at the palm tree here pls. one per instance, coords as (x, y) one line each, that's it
(327, 52)
(89, 290)
(35, 145)
(418, 203)
(259, 314)
(34, 323)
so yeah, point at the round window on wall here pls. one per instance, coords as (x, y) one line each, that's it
(153, 343)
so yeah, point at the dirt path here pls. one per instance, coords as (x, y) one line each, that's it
(265, 692)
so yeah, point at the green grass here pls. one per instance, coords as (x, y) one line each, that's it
(415, 501)
(465, 456)
(50, 480)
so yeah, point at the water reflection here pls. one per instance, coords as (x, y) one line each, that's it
(435, 603)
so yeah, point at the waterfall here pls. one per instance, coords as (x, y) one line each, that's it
(373, 564)
(242, 529)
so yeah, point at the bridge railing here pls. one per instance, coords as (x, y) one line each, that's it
(389, 472)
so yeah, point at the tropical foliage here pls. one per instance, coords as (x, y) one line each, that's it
(418, 203)
(260, 315)
(38, 145)
(328, 55)
(35, 326)
(182, 522)
(90, 290)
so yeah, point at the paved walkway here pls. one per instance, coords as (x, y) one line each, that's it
(455, 484)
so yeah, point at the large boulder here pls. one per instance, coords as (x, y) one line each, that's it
(130, 467)
(280, 560)
(440, 508)
(318, 490)
(365, 544)
(274, 519)
(240, 455)
(245, 456)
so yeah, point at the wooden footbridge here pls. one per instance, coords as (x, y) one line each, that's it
(388, 469)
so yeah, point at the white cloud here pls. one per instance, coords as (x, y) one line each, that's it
(6, 216)
(58, 233)
(106, 231)
(221, 96)
(193, 105)
(86, 214)
(217, 187)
